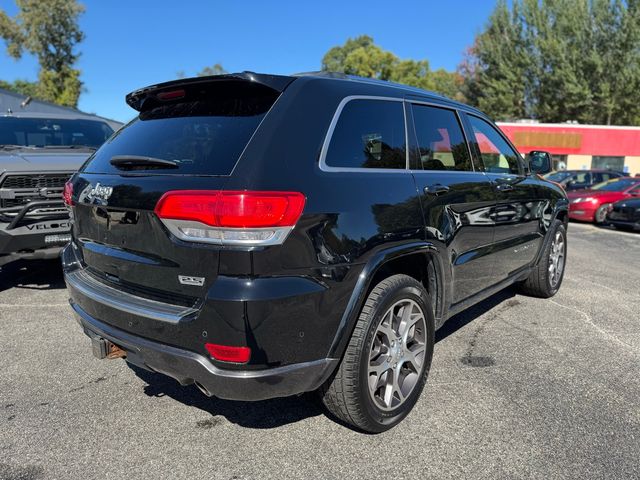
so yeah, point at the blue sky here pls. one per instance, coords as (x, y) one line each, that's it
(130, 44)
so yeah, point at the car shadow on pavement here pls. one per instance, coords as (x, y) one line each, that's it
(280, 411)
(263, 414)
(465, 317)
(32, 275)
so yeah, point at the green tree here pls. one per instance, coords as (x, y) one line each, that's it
(558, 60)
(362, 57)
(495, 66)
(49, 30)
(23, 87)
(216, 69)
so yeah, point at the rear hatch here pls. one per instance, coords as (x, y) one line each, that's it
(189, 136)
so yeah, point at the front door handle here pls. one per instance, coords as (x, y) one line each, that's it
(436, 189)
(504, 187)
(505, 184)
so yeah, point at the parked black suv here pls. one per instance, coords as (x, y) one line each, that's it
(265, 236)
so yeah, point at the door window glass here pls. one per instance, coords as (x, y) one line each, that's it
(369, 134)
(497, 155)
(441, 144)
(582, 178)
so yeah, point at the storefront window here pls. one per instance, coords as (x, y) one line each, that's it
(559, 162)
(607, 163)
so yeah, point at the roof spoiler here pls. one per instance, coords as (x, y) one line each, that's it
(278, 83)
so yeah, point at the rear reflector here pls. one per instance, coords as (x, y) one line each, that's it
(225, 353)
(67, 194)
(231, 217)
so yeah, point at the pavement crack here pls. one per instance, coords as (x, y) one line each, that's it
(587, 319)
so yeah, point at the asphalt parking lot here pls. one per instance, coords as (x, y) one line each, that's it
(520, 387)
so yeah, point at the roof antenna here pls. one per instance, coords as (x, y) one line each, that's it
(26, 102)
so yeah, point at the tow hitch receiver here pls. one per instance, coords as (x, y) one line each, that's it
(105, 349)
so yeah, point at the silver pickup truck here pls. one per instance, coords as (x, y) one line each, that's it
(38, 154)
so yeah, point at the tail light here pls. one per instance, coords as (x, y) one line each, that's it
(67, 194)
(225, 353)
(231, 217)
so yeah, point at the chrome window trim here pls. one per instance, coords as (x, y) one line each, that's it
(336, 116)
(456, 112)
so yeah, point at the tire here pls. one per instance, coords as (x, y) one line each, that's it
(358, 396)
(544, 281)
(601, 214)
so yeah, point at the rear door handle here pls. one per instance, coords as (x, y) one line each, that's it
(436, 189)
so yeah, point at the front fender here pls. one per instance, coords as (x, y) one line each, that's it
(560, 212)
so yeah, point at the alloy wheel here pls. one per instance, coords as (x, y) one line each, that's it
(556, 259)
(397, 354)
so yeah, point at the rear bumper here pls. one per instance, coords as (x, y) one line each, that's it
(188, 367)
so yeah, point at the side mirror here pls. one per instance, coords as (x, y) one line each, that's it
(539, 162)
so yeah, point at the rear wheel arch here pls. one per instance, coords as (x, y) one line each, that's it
(418, 260)
(425, 267)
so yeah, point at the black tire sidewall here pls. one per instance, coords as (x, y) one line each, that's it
(381, 419)
(558, 228)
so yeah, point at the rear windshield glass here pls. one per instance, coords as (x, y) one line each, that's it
(202, 134)
(44, 132)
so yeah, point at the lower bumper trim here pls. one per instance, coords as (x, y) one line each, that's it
(625, 224)
(189, 367)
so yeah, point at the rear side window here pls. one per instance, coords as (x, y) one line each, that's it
(497, 155)
(369, 134)
(441, 143)
(204, 133)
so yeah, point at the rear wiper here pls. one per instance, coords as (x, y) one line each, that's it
(133, 161)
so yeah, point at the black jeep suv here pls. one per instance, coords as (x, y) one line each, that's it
(264, 236)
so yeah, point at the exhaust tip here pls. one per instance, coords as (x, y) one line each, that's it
(203, 389)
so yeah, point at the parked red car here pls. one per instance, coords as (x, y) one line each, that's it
(592, 205)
